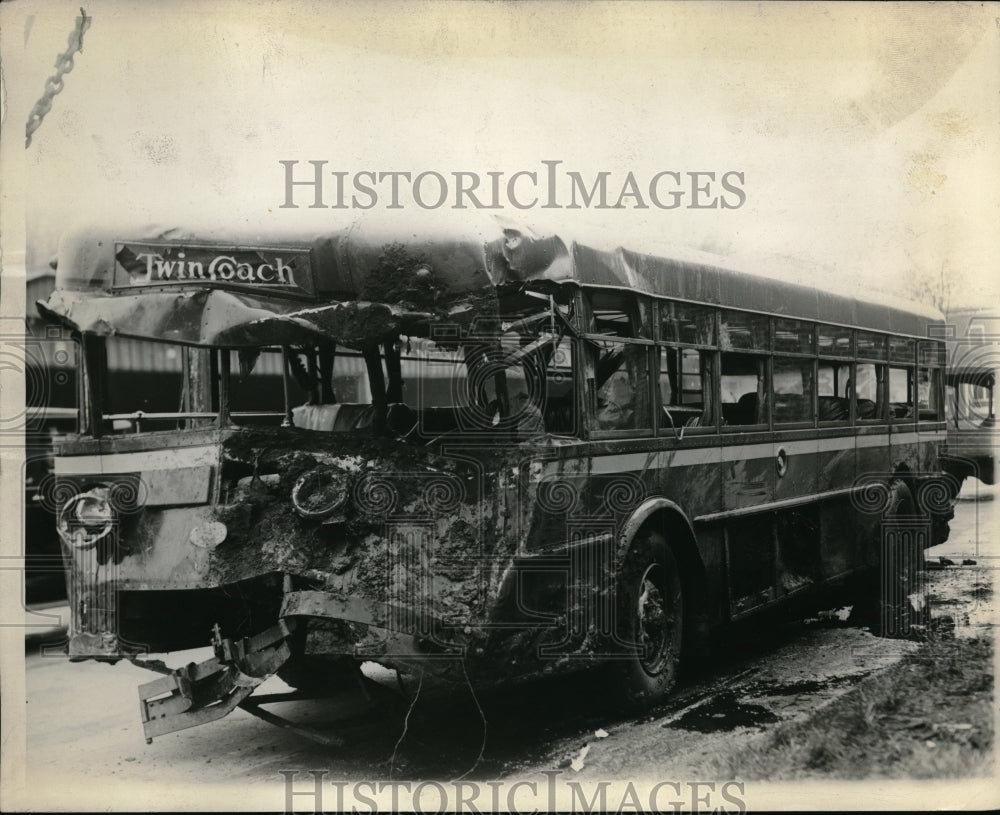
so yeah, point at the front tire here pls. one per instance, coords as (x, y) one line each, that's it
(649, 620)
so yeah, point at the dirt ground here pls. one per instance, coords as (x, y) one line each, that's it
(85, 748)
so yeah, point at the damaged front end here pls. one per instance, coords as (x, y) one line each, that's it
(316, 553)
(344, 479)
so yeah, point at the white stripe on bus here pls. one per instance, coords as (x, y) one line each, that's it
(168, 459)
(626, 462)
(622, 462)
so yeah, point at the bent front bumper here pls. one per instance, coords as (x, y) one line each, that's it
(205, 691)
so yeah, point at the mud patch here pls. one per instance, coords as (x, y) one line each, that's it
(723, 713)
(806, 686)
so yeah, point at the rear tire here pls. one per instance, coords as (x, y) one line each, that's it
(650, 620)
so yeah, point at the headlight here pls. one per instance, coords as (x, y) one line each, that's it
(208, 535)
(93, 510)
(86, 518)
(320, 493)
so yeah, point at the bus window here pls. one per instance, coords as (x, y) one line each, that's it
(835, 341)
(902, 349)
(683, 322)
(744, 331)
(792, 389)
(685, 385)
(557, 413)
(833, 383)
(901, 393)
(538, 371)
(928, 388)
(622, 381)
(871, 345)
(616, 314)
(868, 393)
(793, 336)
(976, 401)
(743, 400)
(142, 376)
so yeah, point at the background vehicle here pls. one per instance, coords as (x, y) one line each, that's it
(973, 358)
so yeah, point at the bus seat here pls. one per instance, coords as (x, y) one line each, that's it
(866, 409)
(833, 409)
(791, 407)
(315, 417)
(746, 409)
(437, 420)
(353, 416)
(400, 418)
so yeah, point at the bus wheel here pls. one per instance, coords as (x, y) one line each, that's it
(320, 675)
(650, 620)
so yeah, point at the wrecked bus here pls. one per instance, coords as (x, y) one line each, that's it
(490, 458)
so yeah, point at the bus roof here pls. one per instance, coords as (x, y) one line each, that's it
(349, 280)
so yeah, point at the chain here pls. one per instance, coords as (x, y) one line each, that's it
(54, 84)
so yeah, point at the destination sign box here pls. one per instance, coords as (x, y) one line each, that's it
(276, 271)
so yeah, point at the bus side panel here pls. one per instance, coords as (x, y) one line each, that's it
(840, 547)
(905, 450)
(873, 464)
(796, 529)
(748, 474)
(748, 480)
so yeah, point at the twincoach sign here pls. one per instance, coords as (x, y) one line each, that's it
(278, 271)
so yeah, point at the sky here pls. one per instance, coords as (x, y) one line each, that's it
(867, 135)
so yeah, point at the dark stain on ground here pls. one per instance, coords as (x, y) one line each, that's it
(724, 712)
(981, 591)
(445, 735)
(806, 685)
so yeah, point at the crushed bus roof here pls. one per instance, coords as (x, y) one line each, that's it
(196, 286)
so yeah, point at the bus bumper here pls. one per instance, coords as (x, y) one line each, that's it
(203, 692)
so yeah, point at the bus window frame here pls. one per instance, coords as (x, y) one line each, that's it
(881, 394)
(932, 357)
(832, 330)
(837, 362)
(880, 362)
(645, 313)
(776, 355)
(757, 427)
(643, 310)
(911, 395)
(797, 424)
(936, 377)
(706, 352)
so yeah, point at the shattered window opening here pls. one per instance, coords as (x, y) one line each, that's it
(516, 380)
